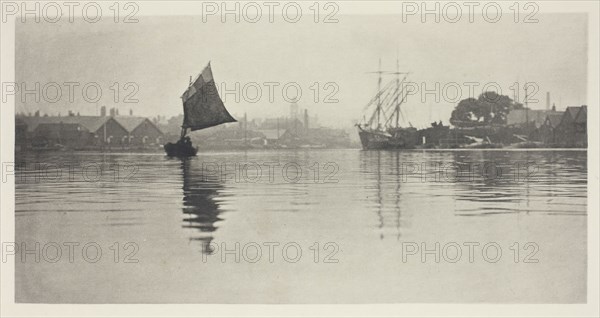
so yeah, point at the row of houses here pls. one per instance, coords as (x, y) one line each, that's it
(566, 129)
(81, 132)
(555, 128)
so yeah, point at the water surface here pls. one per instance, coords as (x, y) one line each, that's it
(359, 209)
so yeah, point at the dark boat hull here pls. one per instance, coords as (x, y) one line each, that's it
(180, 150)
(372, 140)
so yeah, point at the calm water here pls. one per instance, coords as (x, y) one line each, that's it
(357, 217)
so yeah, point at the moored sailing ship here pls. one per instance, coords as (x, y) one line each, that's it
(202, 108)
(382, 130)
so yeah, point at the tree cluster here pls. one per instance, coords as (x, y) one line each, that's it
(489, 108)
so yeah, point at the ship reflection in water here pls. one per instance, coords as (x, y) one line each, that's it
(386, 194)
(369, 205)
(199, 205)
(444, 186)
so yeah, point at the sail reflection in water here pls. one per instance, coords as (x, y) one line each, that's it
(199, 205)
(173, 210)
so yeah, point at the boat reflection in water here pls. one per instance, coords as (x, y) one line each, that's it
(199, 205)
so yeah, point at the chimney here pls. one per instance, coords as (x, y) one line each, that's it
(130, 112)
(103, 111)
(245, 129)
(553, 107)
(112, 111)
(306, 119)
(277, 127)
(547, 100)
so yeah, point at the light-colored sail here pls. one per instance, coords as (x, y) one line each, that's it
(202, 106)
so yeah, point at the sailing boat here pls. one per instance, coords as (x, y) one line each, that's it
(381, 131)
(202, 108)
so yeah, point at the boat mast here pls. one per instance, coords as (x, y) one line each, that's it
(183, 129)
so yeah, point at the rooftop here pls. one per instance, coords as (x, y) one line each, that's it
(91, 123)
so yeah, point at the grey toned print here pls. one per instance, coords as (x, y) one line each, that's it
(409, 153)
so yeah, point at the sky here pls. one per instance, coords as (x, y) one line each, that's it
(159, 54)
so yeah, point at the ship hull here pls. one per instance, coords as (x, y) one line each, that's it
(373, 140)
(180, 150)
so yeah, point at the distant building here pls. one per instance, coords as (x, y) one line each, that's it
(572, 130)
(102, 130)
(87, 131)
(141, 131)
(20, 134)
(273, 123)
(549, 129)
(518, 117)
(581, 126)
(271, 136)
(565, 129)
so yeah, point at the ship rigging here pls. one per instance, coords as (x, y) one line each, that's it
(382, 130)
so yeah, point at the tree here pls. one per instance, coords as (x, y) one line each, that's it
(489, 108)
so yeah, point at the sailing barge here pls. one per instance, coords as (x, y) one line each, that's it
(382, 130)
(202, 108)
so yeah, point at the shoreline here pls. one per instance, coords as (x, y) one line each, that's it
(161, 151)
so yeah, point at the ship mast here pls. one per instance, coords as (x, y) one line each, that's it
(379, 96)
(387, 98)
(398, 89)
(399, 94)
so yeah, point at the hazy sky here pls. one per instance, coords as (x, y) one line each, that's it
(159, 54)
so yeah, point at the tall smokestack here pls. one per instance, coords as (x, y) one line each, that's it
(103, 111)
(547, 100)
(306, 119)
(245, 129)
